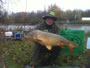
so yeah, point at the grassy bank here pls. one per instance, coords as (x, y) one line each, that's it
(14, 54)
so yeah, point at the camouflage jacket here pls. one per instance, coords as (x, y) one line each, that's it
(54, 29)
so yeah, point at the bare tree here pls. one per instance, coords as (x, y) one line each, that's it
(1, 3)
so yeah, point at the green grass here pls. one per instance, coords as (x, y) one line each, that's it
(14, 54)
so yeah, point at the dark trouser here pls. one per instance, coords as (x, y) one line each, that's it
(44, 57)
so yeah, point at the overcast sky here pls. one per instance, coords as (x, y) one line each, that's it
(35, 5)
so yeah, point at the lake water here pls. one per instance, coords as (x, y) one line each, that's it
(85, 27)
(12, 27)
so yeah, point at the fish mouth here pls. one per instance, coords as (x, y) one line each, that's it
(28, 37)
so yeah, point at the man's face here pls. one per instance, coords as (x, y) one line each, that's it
(49, 21)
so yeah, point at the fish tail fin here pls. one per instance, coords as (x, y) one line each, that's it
(70, 47)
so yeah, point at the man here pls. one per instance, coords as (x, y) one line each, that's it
(41, 55)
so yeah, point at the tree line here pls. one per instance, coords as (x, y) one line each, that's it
(32, 18)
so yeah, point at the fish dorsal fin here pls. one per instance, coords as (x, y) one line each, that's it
(48, 47)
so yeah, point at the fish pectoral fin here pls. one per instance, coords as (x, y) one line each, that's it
(70, 47)
(48, 47)
(61, 45)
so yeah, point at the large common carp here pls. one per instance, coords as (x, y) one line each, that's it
(49, 40)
